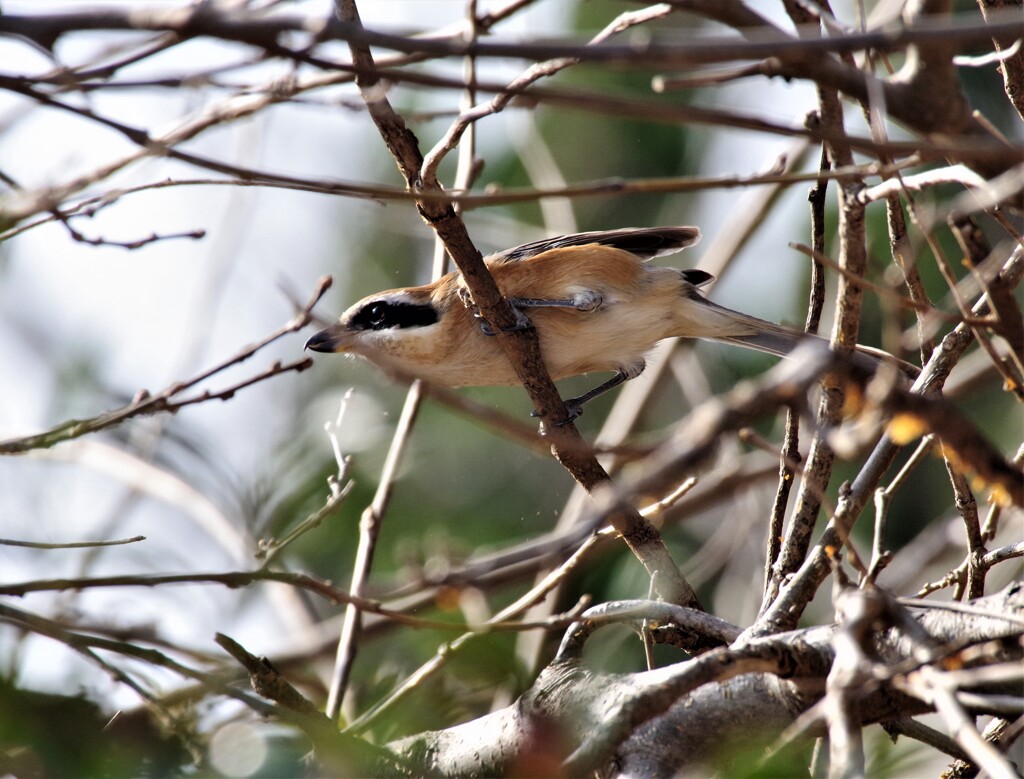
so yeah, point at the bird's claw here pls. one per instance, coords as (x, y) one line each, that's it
(483, 324)
(522, 322)
(573, 412)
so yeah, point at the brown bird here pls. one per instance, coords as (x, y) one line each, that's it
(595, 303)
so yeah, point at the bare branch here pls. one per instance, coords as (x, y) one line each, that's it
(168, 400)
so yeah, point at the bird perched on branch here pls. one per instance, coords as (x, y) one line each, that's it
(595, 302)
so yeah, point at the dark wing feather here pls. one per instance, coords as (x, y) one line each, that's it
(644, 242)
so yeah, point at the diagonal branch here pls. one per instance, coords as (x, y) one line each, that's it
(521, 346)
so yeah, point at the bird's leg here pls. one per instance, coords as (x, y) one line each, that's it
(575, 405)
(587, 300)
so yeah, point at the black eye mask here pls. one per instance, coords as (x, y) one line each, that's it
(384, 315)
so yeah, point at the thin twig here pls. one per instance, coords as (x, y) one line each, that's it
(880, 556)
(168, 400)
(71, 544)
(787, 608)
(789, 455)
(852, 258)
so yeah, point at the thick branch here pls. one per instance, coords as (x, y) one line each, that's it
(679, 718)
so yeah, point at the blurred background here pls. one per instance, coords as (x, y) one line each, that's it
(83, 328)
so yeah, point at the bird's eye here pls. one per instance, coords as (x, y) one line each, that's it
(392, 314)
(376, 314)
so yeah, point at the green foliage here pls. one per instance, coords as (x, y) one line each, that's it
(44, 735)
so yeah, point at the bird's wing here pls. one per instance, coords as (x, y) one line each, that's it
(644, 242)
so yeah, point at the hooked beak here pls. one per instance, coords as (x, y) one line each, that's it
(331, 339)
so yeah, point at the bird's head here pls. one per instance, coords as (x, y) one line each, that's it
(386, 322)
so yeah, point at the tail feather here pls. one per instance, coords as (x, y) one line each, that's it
(762, 336)
(779, 344)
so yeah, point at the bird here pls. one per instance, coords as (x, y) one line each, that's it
(596, 302)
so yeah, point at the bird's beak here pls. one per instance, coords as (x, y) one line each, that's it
(331, 339)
